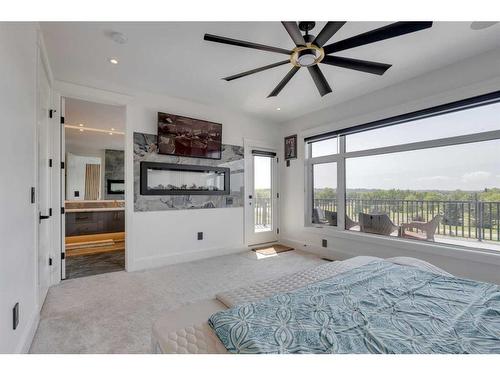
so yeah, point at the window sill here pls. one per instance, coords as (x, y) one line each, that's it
(434, 248)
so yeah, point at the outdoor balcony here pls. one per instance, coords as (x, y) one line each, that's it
(464, 223)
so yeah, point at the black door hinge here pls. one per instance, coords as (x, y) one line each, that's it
(277, 195)
(50, 261)
(50, 211)
(63, 256)
(62, 210)
(62, 165)
(32, 195)
(62, 119)
(277, 160)
(51, 111)
(50, 163)
(277, 230)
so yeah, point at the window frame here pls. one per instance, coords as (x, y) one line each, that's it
(341, 156)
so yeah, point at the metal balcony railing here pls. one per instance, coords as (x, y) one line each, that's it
(466, 219)
(262, 211)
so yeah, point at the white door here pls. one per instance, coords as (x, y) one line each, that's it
(44, 184)
(261, 203)
(63, 191)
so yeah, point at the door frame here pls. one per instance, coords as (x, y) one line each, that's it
(249, 145)
(62, 90)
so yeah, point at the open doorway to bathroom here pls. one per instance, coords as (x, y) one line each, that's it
(94, 187)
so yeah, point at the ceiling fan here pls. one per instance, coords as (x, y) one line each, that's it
(310, 50)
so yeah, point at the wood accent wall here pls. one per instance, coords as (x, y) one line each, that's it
(92, 181)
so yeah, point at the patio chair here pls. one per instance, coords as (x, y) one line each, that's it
(325, 217)
(429, 229)
(377, 224)
(349, 223)
(331, 217)
(318, 216)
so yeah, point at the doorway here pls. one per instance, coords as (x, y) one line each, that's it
(93, 186)
(262, 194)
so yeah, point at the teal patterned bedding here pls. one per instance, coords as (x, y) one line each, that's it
(380, 307)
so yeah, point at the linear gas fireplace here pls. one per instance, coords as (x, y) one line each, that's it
(182, 179)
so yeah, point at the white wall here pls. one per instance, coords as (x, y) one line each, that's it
(18, 51)
(157, 238)
(467, 78)
(164, 237)
(75, 174)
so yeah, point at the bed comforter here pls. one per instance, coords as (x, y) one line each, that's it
(379, 307)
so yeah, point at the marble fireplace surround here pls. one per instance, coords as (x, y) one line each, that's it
(145, 150)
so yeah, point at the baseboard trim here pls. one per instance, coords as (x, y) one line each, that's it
(322, 252)
(29, 335)
(165, 260)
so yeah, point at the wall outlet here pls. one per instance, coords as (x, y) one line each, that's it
(324, 243)
(15, 316)
(76, 194)
(200, 235)
(229, 201)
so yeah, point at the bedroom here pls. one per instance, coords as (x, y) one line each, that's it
(296, 173)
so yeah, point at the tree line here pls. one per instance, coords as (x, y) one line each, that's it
(486, 195)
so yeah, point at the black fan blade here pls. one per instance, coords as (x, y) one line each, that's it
(386, 32)
(328, 31)
(293, 30)
(362, 65)
(284, 81)
(320, 80)
(248, 72)
(242, 43)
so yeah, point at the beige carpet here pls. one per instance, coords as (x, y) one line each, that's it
(114, 312)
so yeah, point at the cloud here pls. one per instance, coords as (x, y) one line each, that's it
(434, 179)
(476, 176)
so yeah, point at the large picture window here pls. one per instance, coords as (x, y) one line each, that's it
(432, 178)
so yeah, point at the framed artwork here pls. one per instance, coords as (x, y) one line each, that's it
(291, 147)
(185, 136)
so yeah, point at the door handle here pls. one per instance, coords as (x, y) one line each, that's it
(42, 217)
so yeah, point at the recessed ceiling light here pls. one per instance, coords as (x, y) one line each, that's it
(80, 125)
(112, 128)
(81, 130)
(278, 109)
(110, 133)
(113, 61)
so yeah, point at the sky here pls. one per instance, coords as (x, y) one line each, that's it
(472, 166)
(262, 175)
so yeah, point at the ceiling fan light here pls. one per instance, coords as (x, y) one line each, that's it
(306, 57)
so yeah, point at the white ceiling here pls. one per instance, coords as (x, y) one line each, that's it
(95, 116)
(172, 58)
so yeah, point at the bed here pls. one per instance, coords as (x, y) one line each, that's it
(238, 321)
